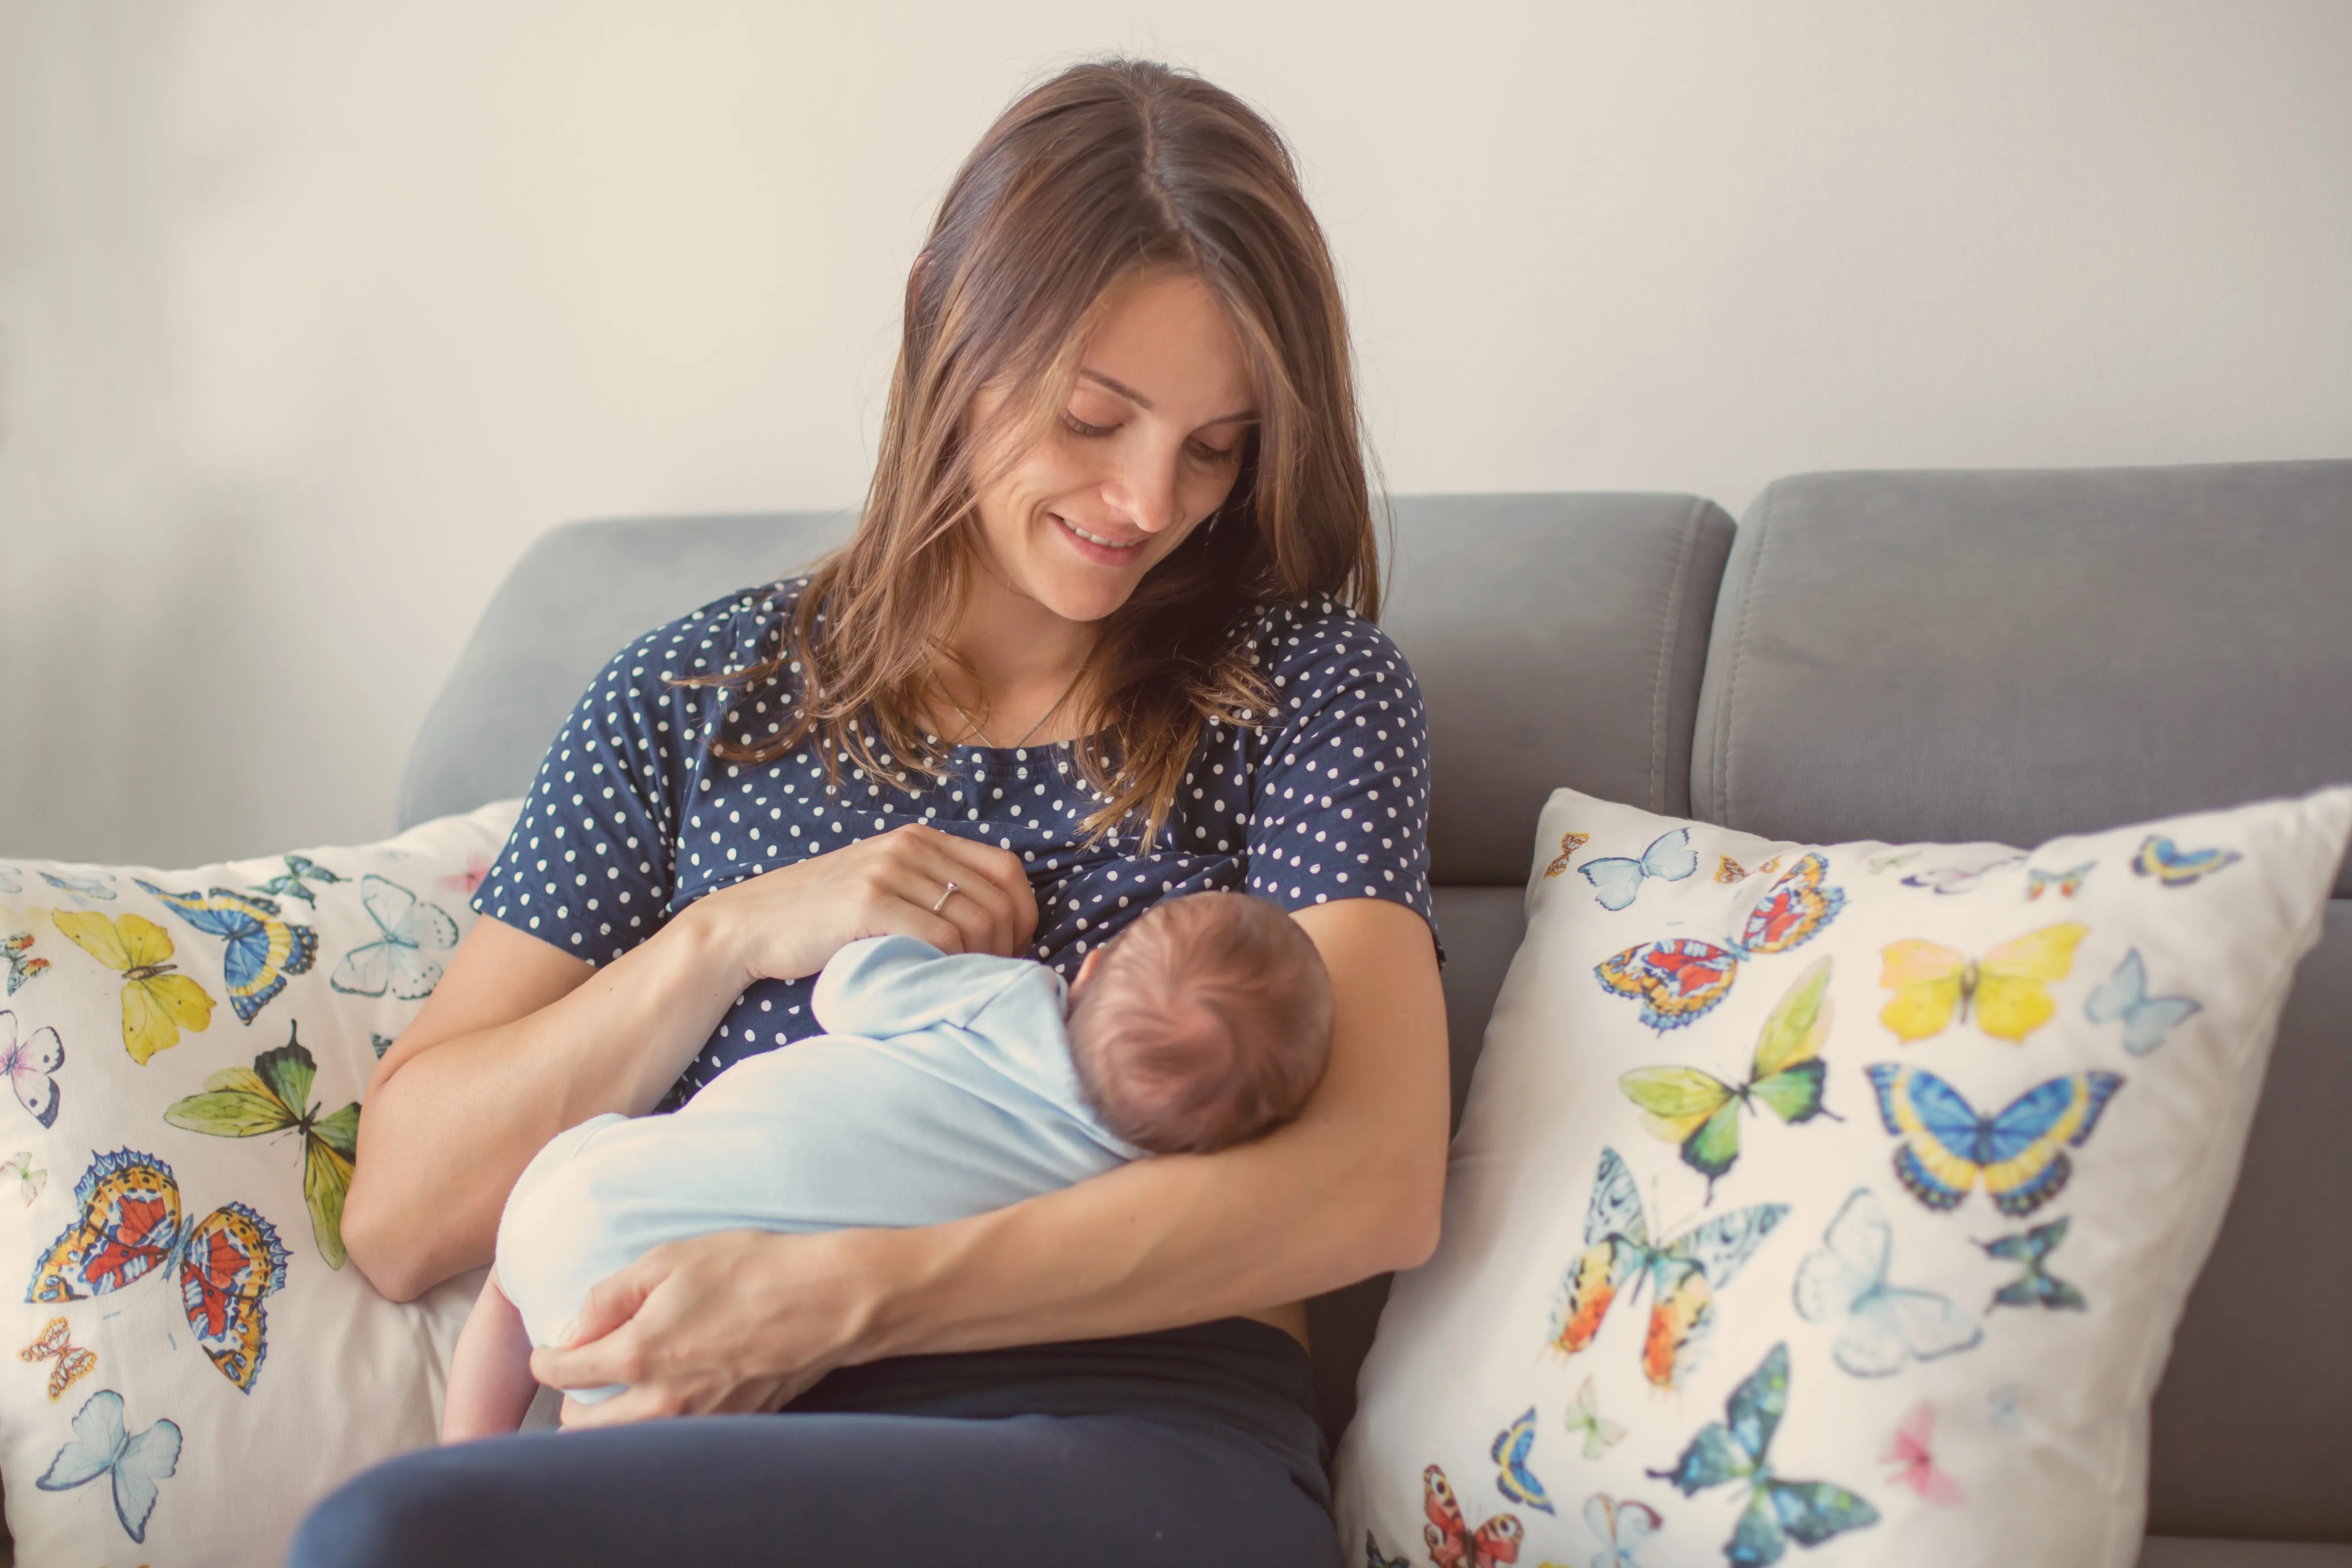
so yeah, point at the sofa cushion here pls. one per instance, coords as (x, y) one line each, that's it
(1920, 1147)
(1558, 639)
(2011, 656)
(198, 1360)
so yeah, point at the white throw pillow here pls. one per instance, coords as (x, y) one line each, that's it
(197, 1360)
(1832, 1201)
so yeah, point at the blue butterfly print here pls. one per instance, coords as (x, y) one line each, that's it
(396, 963)
(2147, 1020)
(2177, 867)
(1737, 1449)
(8, 880)
(2037, 1286)
(103, 1445)
(2020, 1153)
(1881, 1325)
(1617, 879)
(1515, 1481)
(294, 882)
(1376, 1558)
(98, 886)
(263, 950)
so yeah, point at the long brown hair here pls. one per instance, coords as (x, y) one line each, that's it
(1109, 172)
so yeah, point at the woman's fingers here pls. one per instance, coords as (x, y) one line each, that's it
(612, 1302)
(995, 882)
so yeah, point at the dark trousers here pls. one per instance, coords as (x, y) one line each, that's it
(1195, 1447)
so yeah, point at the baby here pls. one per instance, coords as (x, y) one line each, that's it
(943, 1088)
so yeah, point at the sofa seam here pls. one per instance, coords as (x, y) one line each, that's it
(1660, 691)
(1723, 789)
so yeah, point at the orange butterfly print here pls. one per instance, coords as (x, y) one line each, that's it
(74, 1363)
(1569, 843)
(1452, 1543)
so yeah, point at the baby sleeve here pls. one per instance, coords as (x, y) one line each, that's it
(884, 985)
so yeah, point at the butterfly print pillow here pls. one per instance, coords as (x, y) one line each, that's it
(1809, 1196)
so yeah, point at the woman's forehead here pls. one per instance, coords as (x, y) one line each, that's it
(1167, 344)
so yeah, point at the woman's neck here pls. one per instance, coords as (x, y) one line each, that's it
(1009, 661)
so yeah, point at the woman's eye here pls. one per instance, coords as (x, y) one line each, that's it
(1208, 454)
(1081, 427)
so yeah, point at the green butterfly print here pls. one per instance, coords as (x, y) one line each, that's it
(1736, 1449)
(2038, 1287)
(274, 1096)
(301, 870)
(1701, 1112)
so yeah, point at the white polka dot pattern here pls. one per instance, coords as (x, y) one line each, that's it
(632, 818)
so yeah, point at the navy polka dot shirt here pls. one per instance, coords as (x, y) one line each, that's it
(632, 818)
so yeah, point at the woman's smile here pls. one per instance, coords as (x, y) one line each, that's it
(1103, 549)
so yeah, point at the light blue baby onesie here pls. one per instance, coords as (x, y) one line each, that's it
(942, 1088)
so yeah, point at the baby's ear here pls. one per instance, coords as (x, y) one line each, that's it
(1086, 972)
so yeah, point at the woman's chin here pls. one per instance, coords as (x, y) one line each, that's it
(1085, 607)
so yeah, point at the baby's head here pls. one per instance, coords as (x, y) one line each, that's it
(1205, 1022)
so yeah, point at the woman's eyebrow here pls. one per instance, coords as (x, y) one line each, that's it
(1148, 407)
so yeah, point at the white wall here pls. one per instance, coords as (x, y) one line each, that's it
(311, 316)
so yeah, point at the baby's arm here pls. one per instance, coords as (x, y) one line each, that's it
(884, 985)
(490, 1385)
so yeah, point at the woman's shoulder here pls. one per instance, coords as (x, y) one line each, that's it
(1317, 652)
(730, 633)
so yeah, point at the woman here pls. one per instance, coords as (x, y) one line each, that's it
(1096, 641)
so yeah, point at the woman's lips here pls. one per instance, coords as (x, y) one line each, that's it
(1096, 547)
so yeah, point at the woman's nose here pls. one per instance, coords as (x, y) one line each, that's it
(1144, 491)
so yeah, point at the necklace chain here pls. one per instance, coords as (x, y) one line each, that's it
(1048, 713)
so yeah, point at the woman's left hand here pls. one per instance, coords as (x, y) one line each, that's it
(737, 1321)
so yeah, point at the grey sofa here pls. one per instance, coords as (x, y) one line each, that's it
(1955, 655)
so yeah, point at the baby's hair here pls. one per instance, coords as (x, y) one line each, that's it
(1205, 1022)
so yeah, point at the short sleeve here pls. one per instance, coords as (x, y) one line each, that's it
(1340, 803)
(590, 866)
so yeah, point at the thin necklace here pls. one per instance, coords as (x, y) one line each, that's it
(1032, 728)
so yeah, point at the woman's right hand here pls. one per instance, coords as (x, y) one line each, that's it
(786, 923)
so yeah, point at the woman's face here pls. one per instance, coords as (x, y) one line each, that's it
(1147, 446)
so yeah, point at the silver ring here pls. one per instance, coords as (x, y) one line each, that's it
(944, 898)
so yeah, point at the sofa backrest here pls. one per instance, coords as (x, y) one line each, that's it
(2011, 656)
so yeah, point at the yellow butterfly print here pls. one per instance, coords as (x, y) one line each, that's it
(1569, 843)
(2007, 991)
(157, 1003)
(1727, 871)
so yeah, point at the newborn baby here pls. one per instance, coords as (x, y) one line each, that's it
(944, 1087)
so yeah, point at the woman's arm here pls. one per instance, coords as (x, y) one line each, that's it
(522, 1040)
(745, 1320)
